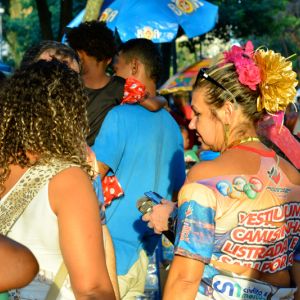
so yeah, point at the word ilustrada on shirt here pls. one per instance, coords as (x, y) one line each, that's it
(264, 240)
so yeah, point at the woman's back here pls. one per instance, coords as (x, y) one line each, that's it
(255, 214)
(46, 181)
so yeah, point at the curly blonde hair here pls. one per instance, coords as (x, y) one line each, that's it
(42, 112)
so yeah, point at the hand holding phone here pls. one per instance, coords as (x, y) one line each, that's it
(156, 198)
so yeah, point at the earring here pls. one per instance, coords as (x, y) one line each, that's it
(226, 134)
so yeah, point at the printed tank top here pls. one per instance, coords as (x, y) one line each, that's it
(248, 221)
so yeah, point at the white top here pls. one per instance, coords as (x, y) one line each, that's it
(37, 229)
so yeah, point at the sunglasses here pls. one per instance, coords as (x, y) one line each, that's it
(203, 75)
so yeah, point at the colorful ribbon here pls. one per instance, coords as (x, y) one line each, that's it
(272, 127)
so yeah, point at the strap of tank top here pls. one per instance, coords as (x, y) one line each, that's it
(266, 153)
(25, 190)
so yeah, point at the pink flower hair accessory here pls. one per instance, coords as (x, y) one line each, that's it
(243, 59)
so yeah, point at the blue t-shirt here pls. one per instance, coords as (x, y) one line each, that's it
(145, 151)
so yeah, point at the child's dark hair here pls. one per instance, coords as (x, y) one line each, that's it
(94, 38)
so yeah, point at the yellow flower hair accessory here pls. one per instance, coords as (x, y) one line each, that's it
(278, 81)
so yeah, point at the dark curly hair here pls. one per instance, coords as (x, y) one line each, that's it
(94, 38)
(147, 52)
(42, 112)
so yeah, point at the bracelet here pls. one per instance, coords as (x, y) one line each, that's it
(172, 221)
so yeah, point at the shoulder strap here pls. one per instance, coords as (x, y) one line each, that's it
(57, 283)
(25, 190)
(18, 200)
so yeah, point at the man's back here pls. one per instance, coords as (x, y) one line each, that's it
(144, 150)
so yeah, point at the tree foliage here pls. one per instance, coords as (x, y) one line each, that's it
(273, 24)
(92, 9)
(28, 21)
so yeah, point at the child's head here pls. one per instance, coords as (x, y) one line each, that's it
(48, 50)
(185, 136)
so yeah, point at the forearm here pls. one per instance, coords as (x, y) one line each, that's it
(183, 279)
(110, 260)
(103, 169)
(97, 294)
(153, 103)
(177, 288)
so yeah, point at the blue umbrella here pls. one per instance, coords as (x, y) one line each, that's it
(158, 20)
(6, 69)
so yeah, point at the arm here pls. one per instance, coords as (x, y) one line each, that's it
(103, 169)
(73, 200)
(110, 260)
(18, 265)
(153, 103)
(195, 218)
(183, 279)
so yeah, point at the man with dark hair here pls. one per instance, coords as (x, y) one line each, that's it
(141, 50)
(144, 150)
(95, 45)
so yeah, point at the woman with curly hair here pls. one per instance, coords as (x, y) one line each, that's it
(43, 128)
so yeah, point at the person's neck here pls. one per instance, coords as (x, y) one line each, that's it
(151, 88)
(149, 84)
(95, 79)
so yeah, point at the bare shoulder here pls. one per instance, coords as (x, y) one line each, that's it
(230, 162)
(290, 171)
(202, 170)
(69, 177)
(70, 184)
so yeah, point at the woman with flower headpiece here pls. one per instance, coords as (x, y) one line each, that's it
(238, 218)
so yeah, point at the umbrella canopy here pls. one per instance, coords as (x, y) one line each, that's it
(6, 69)
(157, 20)
(184, 80)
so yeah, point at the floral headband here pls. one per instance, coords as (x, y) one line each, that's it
(266, 70)
(273, 75)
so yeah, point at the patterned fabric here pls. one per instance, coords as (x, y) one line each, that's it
(134, 91)
(27, 188)
(249, 221)
(272, 127)
(111, 189)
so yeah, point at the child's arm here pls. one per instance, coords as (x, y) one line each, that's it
(153, 103)
(135, 92)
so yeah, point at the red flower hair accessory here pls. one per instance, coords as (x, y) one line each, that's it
(243, 59)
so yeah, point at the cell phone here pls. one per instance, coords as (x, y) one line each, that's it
(156, 198)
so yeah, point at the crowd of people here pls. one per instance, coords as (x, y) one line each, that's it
(79, 148)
